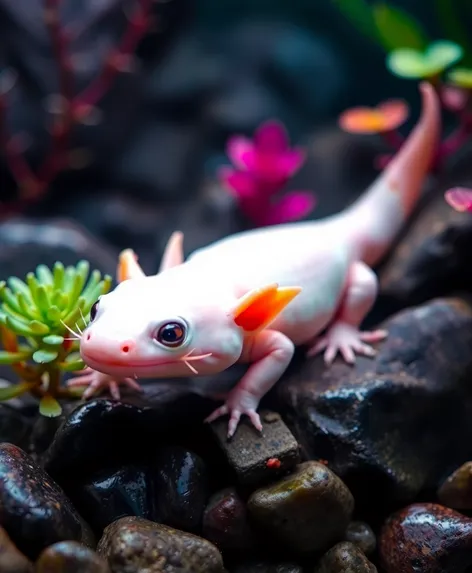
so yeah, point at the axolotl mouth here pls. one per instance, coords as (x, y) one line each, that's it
(98, 360)
(180, 366)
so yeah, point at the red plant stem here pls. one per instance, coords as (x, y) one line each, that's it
(61, 131)
(393, 138)
(451, 144)
(33, 186)
(138, 24)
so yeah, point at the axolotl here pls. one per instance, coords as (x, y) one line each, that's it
(256, 295)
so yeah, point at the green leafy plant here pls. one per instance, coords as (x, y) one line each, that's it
(412, 54)
(35, 318)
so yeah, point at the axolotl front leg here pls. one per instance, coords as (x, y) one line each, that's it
(269, 352)
(95, 382)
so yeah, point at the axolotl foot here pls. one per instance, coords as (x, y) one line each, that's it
(348, 340)
(97, 381)
(238, 403)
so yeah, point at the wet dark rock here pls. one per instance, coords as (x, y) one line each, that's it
(116, 493)
(426, 538)
(361, 534)
(44, 429)
(33, 509)
(305, 511)
(118, 217)
(265, 567)
(14, 427)
(391, 422)
(433, 258)
(181, 488)
(25, 243)
(456, 491)
(225, 521)
(258, 457)
(345, 557)
(102, 432)
(134, 545)
(70, 557)
(11, 559)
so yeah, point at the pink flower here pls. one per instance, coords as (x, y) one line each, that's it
(459, 198)
(262, 167)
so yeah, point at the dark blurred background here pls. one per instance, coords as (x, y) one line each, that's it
(145, 162)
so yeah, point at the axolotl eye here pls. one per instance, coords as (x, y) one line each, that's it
(94, 310)
(171, 334)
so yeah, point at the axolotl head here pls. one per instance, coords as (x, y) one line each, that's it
(166, 326)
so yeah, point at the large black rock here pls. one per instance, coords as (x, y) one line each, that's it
(397, 424)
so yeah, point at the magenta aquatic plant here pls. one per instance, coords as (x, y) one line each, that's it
(459, 198)
(262, 167)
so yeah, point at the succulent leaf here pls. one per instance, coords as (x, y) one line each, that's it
(44, 275)
(58, 273)
(7, 357)
(44, 356)
(36, 311)
(39, 327)
(15, 390)
(18, 327)
(49, 407)
(53, 339)
(19, 286)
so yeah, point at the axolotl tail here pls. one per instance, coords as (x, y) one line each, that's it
(377, 217)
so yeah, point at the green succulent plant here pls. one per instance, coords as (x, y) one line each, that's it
(36, 316)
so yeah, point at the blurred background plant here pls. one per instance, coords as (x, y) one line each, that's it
(66, 108)
(129, 117)
(37, 319)
(413, 55)
(262, 169)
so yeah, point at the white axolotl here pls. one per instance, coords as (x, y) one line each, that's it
(253, 296)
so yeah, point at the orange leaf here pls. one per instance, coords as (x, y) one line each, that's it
(385, 117)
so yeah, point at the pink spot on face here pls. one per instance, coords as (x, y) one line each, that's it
(127, 347)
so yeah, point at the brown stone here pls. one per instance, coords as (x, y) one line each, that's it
(70, 557)
(136, 545)
(225, 521)
(456, 491)
(426, 538)
(258, 457)
(306, 510)
(11, 558)
(34, 509)
(361, 534)
(345, 557)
